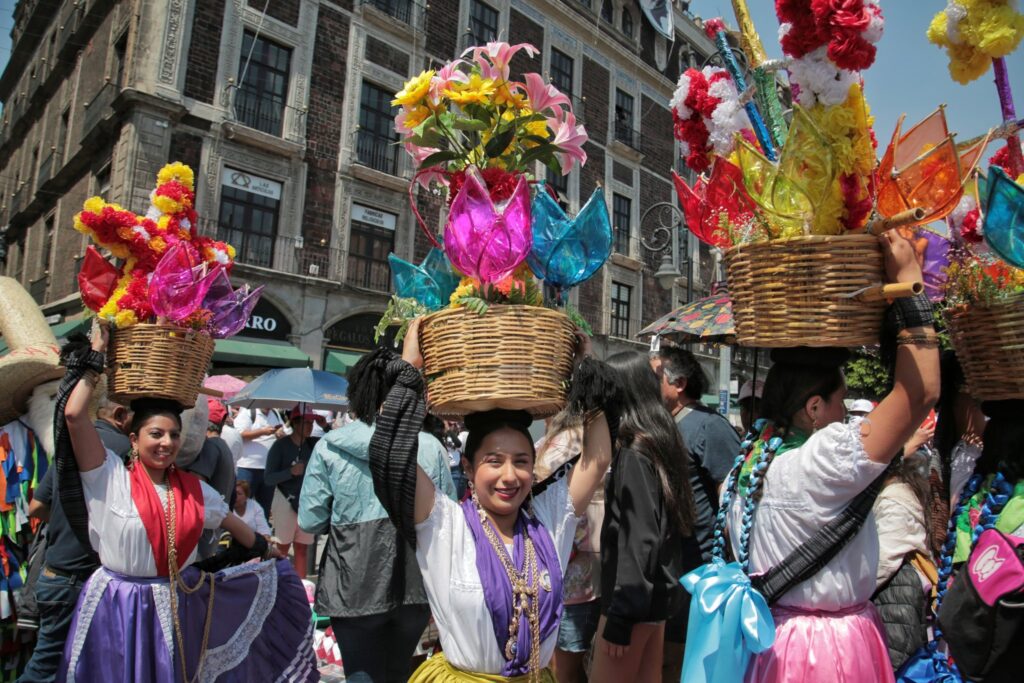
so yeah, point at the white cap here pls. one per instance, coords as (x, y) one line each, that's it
(862, 405)
(751, 388)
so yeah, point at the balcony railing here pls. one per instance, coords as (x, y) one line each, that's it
(399, 9)
(50, 164)
(377, 151)
(368, 273)
(18, 201)
(258, 110)
(626, 134)
(98, 107)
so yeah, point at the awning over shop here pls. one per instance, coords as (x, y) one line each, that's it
(62, 330)
(339, 361)
(256, 352)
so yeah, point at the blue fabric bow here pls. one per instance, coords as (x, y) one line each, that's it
(729, 622)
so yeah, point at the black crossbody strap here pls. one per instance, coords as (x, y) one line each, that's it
(817, 551)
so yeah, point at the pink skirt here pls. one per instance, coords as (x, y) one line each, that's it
(824, 647)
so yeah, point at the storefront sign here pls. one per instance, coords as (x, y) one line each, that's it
(356, 332)
(267, 322)
(376, 217)
(247, 182)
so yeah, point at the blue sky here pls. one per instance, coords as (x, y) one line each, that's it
(909, 76)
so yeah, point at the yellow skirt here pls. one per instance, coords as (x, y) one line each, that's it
(438, 670)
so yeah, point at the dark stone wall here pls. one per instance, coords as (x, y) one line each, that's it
(204, 50)
(393, 59)
(522, 29)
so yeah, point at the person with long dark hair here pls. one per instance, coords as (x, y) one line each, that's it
(647, 539)
(368, 581)
(804, 468)
(493, 565)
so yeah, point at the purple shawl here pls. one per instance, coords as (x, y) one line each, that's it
(498, 589)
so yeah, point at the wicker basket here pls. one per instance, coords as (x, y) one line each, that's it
(989, 343)
(515, 357)
(157, 361)
(794, 292)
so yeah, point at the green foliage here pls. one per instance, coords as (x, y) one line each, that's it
(578, 320)
(400, 311)
(866, 376)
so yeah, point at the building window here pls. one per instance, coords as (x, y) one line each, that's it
(262, 84)
(368, 247)
(627, 23)
(622, 296)
(622, 219)
(608, 12)
(624, 118)
(47, 250)
(375, 142)
(483, 22)
(102, 180)
(562, 71)
(399, 9)
(560, 184)
(120, 49)
(62, 133)
(248, 221)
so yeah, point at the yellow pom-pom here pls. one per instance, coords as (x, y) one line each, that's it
(125, 318)
(230, 250)
(167, 205)
(158, 244)
(94, 204)
(176, 171)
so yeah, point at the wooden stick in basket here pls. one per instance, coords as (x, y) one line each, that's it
(896, 290)
(908, 217)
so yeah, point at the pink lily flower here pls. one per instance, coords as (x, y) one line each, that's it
(499, 54)
(569, 139)
(543, 95)
(444, 78)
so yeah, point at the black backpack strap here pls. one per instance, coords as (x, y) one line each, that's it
(813, 554)
(558, 473)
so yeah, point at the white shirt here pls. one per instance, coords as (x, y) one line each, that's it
(446, 555)
(233, 438)
(900, 521)
(116, 531)
(255, 517)
(254, 451)
(804, 489)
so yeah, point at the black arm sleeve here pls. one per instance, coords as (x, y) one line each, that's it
(394, 446)
(636, 491)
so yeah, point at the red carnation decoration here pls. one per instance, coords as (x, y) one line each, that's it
(500, 183)
(969, 230)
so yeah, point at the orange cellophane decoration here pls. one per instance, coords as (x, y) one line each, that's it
(925, 168)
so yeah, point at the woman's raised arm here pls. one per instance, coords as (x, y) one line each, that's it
(85, 440)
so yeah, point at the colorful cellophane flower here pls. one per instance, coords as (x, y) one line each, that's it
(142, 240)
(974, 32)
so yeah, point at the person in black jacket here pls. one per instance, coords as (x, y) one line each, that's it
(647, 538)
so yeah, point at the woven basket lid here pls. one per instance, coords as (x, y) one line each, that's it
(33, 357)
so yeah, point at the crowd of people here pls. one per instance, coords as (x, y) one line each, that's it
(584, 555)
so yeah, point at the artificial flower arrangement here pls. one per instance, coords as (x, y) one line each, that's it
(167, 271)
(477, 134)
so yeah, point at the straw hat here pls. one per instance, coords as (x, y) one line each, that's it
(33, 353)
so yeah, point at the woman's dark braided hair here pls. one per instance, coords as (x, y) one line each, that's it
(368, 384)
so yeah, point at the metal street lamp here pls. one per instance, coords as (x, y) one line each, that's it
(671, 221)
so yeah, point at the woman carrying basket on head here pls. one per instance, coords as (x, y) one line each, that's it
(492, 566)
(146, 615)
(801, 469)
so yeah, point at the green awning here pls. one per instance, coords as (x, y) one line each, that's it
(62, 330)
(255, 352)
(339, 361)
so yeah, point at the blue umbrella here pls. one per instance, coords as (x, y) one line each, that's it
(284, 388)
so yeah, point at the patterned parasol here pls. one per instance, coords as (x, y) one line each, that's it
(706, 320)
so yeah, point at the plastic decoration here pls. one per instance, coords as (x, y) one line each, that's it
(228, 308)
(96, 280)
(932, 252)
(1004, 217)
(430, 283)
(793, 192)
(567, 251)
(924, 168)
(178, 284)
(715, 204)
(484, 241)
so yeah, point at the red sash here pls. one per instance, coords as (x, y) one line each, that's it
(188, 507)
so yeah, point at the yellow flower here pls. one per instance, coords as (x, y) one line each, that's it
(476, 91)
(94, 204)
(415, 90)
(176, 171)
(416, 115)
(125, 318)
(538, 128)
(158, 245)
(167, 204)
(231, 251)
(504, 95)
(467, 287)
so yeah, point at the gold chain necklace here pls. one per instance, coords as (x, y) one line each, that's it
(525, 596)
(175, 582)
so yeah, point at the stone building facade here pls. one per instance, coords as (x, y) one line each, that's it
(282, 108)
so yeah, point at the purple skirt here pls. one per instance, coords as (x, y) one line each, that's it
(261, 628)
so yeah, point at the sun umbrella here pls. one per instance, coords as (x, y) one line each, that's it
(228, 385)
(284, 388)
(705, 320)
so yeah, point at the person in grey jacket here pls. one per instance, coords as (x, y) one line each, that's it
(369, 583)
